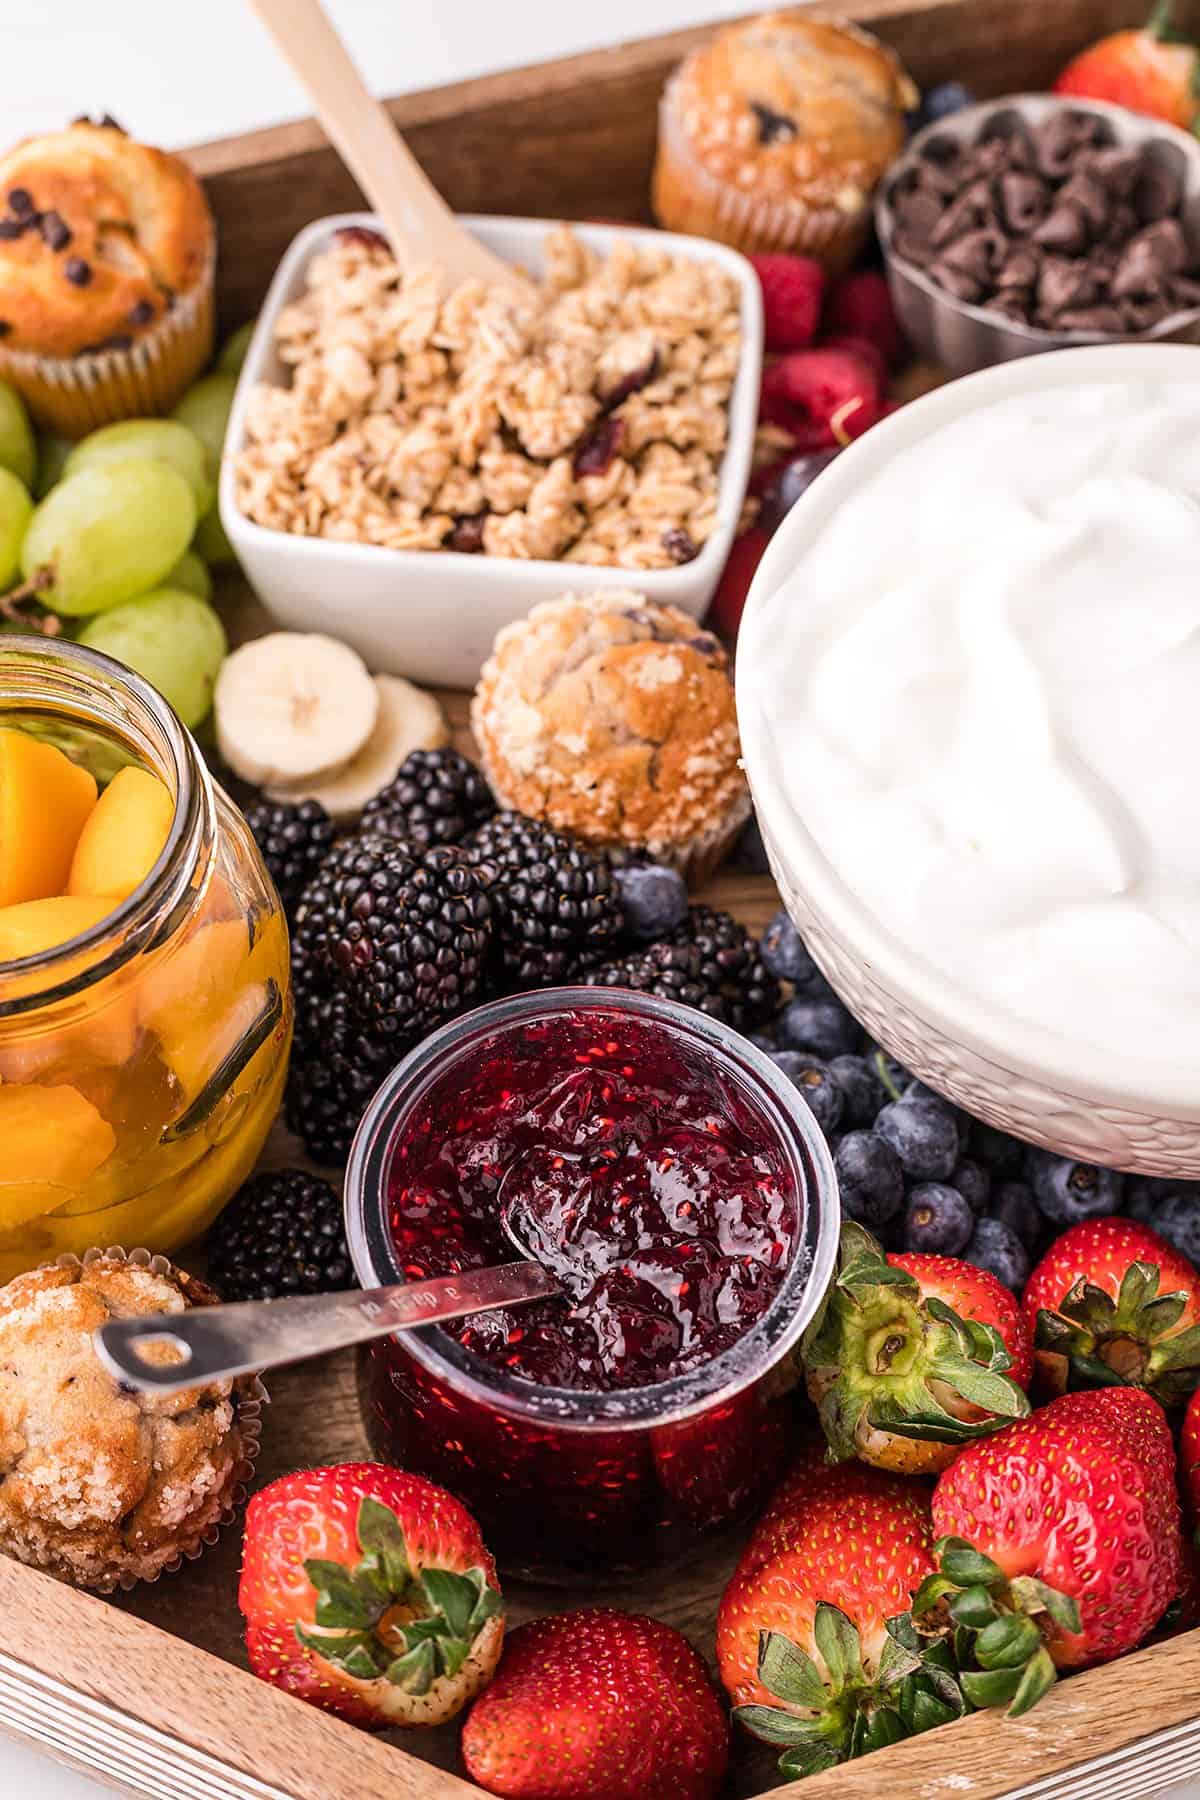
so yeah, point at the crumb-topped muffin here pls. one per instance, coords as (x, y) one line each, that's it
(106, 276)
(774, 135)
(613, 718)
(98, 1485)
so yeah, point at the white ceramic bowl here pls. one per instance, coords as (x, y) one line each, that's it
(433, 615)
(1140, 1112)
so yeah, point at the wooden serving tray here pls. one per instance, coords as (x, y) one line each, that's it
(150, 1691)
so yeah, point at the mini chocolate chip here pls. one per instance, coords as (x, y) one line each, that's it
(1115, 167)
(1019, 268)
(773, 127)
(20, 201)
(955, 281)
(142, 313)
(108, 123)
(1055, 142)
(977, 253)
(1158, 190)
(1023, 200)
(917, 211)
(1064, 228)
(1142, 315)
(1089, 318)
(913, 248)
(1122, 223)
(942, 147)
(77, 271)
(82, 119)
(466, 534)
(681, 548)
(1090, 196)
(1012, 302)
(1167, 244)
(55, 230)
(973, 207)
(10, 228)
(1185, 291)
(1063, 284)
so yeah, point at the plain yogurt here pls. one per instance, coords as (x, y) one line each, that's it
(982, 685)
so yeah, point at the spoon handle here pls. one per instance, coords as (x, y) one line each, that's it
(214, 1343)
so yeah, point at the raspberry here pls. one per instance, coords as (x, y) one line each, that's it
(866, 348)
(860, 306)
(822, 397)
(728, 603)
(792, 290)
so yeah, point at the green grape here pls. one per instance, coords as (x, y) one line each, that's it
(211, 543)
(52, 454)
(16, 510)
(108, 533)
(172, 639)
(190, 576)
(162, 440)
(233, 350)
(17, 450)
(204, 409)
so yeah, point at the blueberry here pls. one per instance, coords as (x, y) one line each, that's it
(653, 899)
(823, 1027)
(919, 1090)
(815, 1085)
(973, 1183)
(940, 101)
(1178, 1219)
(750, 853)
(1014, 1205)
(862, 1091)
(783, 950)
(794, 479)
(1144, 1195)
(1069, 1191)
(870, 1178)
(924, 1135)
(760, 1040)
(937, 1221)
(995, 1246)
(894, 1076)
(996, 1150)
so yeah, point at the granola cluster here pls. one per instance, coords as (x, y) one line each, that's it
(583, 418)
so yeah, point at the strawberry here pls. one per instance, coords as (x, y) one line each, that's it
(1060, 1544)
(1111, 1302)
(913, 1356)
(1189, 1457)
(792, 290)
(598, 1705)
(860, 306)
(813, 1640)
(729, 601)
(820, 397)
(369, 1592)
(1148, 71)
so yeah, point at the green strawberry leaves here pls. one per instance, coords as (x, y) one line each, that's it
(441, 1612)
(848, 1712)
(882, 1356)
(1131, 1341)
(998, 1629)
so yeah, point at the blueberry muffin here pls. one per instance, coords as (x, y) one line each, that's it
(774, 135)
(614, 719)
(100, 1486)
(106, 277)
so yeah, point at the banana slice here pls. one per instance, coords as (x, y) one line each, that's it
(292, 707)
(408, 720)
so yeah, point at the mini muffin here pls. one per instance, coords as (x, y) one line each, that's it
(613, 718)
(106, 277)
(100, 1486)
(774, 135)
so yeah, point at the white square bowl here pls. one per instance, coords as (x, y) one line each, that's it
(433, 614)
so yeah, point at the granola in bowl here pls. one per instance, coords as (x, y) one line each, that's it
(582, 418)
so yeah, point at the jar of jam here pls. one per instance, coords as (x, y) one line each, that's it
(681, 1193)
(145, 1009)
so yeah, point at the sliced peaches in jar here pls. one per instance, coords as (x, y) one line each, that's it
(45, 800)
(104, 1027)
(36, 927)
(123, 837)
(54, 1141)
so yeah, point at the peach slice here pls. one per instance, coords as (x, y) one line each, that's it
(35, 926)
(45, 799)
(123, 837)
(54, 1141)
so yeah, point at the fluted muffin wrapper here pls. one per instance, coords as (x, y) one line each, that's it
(253, 1396)
(76, 394)
(688, 197)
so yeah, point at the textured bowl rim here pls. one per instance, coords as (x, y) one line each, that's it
(1130, 128)
(1159, 1087)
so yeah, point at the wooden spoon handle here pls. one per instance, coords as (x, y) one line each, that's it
(417, 220)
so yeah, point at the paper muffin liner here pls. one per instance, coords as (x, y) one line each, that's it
(75, 394)
(194, 1540)
(688, 197)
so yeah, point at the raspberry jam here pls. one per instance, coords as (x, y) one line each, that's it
(677, 1189)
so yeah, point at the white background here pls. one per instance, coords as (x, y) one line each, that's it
(178, 72)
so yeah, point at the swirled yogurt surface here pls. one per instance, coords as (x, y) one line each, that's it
(983, 689)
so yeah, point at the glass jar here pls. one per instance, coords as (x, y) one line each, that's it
(571, 1484)
(148, 1055)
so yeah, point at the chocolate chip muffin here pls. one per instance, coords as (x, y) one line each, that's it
(774, 135)
(100, 1486)
(613, 718)
(106, 276)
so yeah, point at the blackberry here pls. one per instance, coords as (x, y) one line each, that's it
(711, 962)
(556, 901)
(402, 936)
(438, 797)
(294, 841)
(280, 1234)
(335, 1070)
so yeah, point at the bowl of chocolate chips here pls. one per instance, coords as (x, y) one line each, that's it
(1035, 223)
